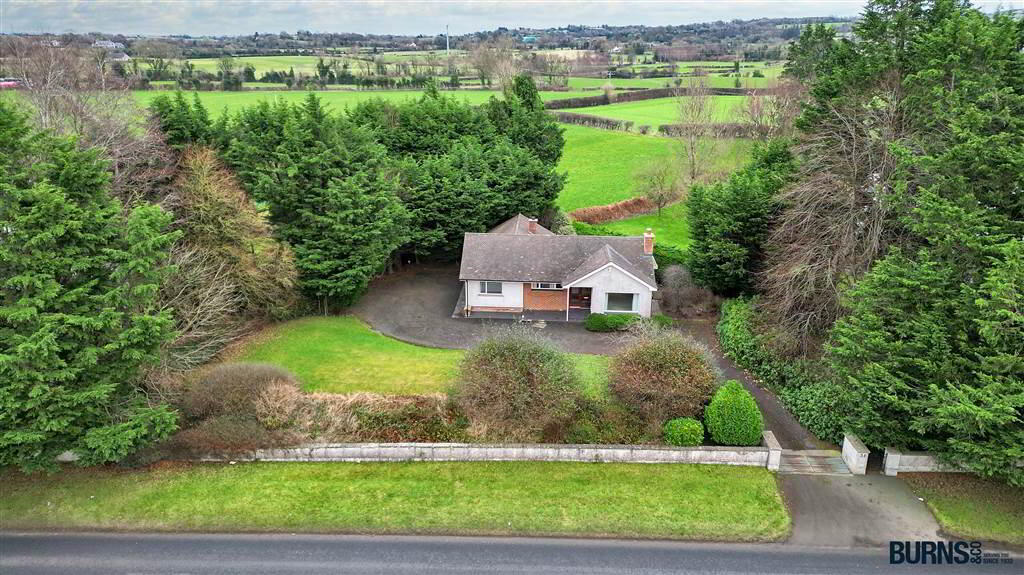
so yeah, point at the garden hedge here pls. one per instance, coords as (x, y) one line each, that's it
(605, 322)
(733, 417)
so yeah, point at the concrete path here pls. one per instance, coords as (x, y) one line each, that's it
(787, 430)
(855, 511)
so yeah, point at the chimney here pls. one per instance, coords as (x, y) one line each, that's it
(533, 225)
(649, 242)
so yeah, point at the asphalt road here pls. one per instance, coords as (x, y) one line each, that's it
(150, 554)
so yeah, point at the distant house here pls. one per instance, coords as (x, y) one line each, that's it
(520, 269)
(119, 57)
(108, 45)
(529, 39)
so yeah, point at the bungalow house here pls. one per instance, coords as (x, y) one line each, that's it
(521, 269)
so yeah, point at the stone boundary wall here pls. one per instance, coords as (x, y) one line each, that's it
(746, 456)
(855, 454)
(912, 462)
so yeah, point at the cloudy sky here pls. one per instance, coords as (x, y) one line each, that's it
(204, 17)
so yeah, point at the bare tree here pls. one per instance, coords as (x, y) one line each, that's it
(772, 112)
(659, 183)
(69, 93)
(495, 61)
(160, 56)
(834, 225)
(696, 128)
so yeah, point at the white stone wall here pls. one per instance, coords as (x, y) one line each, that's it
(610, 279)
(855, 454)
(897, 461)
(748, 456)
(511, 295)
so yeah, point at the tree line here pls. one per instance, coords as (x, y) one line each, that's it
(885, 259)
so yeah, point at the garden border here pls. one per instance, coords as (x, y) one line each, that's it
(767, 456)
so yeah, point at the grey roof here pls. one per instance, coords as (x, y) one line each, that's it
(551, 258)
(520, 226)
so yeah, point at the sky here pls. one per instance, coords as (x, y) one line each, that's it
(405, 17)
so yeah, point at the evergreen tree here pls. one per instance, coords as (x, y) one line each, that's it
(730, 221)
(78, 309)
(520, 117)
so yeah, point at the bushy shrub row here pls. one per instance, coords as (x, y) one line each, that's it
(733, 417)
(607, 322)
(631, 96)
(593, 121)
(612, 212)
(803, 385)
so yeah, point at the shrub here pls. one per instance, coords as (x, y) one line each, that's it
(733, 417)
(804, 386)
(663, 321)
(679, 295)
(603, 422)
(612, 212)
(683, 431)
(227, 433)
(661, 375)
(604, 322)
(514, 385)
(231, 389)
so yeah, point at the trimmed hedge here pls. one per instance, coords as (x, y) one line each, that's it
(593, 121)
(635, 96)
(683, 432)
(733, 417)
(803, 386)
(604, 322)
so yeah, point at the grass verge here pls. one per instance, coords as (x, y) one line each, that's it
(971, 507)
(516, 498)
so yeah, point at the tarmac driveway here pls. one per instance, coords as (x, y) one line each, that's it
(415, 305)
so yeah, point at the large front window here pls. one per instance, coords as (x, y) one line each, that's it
(620, 302)
(490, 288)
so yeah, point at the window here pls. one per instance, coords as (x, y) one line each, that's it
(546, 286)
(620, 302)
(490, 288)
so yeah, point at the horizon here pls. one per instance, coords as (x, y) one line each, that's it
(199, 18)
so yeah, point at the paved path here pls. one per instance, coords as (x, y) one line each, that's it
(109, 554)
(855, 511)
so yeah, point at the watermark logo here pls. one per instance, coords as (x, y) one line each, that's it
(944, 553)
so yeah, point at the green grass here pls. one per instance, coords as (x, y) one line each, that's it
(670, 227)
(601, 164)
(970, 507)
(707, 502)
(664, 110)
(215, 102)
(341, 354)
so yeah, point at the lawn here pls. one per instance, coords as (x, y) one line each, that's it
(341, 354)
(215, 102)
(708, 502)
(660, 111)
(601, 164)
(970, 507)
(669, 228)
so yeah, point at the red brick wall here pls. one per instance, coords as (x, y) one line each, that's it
(547, 300)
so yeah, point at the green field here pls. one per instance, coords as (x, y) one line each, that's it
(215, 102)
(669, 228)
(707, 502)
(727, 109)
(341, 354)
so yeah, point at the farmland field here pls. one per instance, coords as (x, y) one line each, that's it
(663, 110)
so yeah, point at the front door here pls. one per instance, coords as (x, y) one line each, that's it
(579, 297)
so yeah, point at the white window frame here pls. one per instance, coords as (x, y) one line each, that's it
(484, 291)
(546, 286)
(633, 302)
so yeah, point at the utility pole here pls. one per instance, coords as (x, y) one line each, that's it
(447, 44)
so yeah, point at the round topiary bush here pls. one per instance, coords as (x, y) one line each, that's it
(515, 385)
(733, 417)
(661, 375)
(683, 431)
